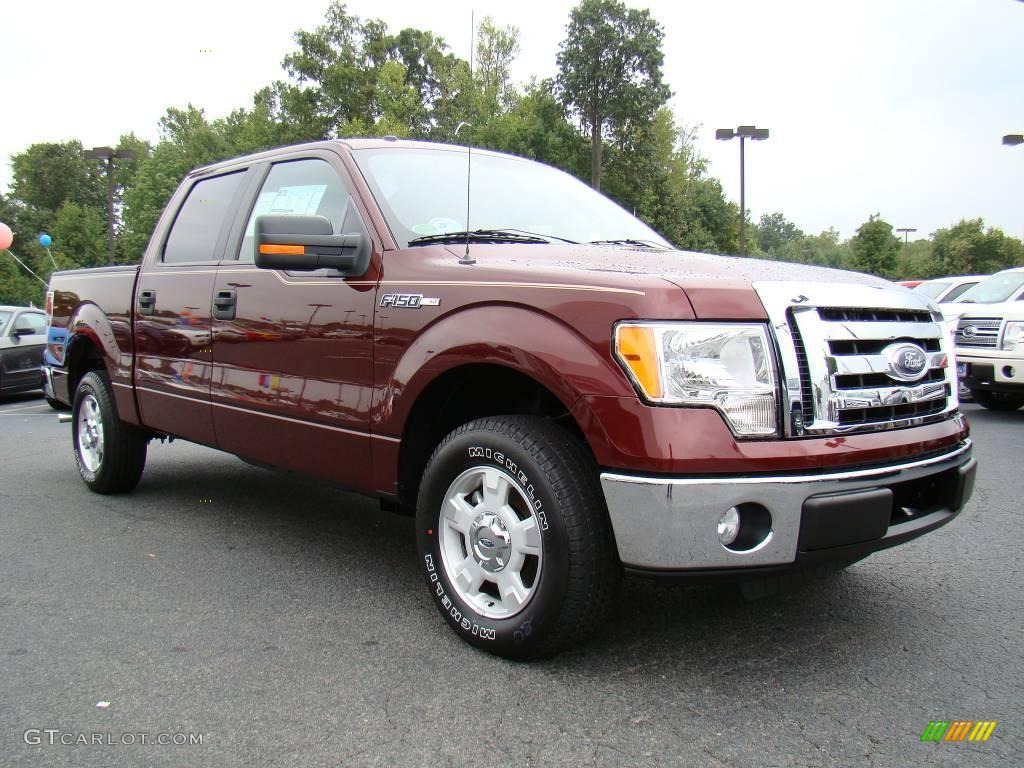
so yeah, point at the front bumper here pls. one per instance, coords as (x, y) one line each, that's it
(671, 524)
(997, 371)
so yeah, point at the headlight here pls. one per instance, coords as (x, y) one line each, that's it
(727, 366)
(1013, 335)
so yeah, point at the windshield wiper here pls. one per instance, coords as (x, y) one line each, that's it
(629, 241)
(480, 236)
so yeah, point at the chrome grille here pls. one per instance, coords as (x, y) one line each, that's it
(839, 346)
(977, 332)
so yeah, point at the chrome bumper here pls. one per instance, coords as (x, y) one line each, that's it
(48, 382)
(672, 523)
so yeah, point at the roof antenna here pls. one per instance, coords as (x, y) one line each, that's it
(466, 259)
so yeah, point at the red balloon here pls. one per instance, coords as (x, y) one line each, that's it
(6, 237)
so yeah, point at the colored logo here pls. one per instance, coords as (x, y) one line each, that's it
(907, 362)
(958, 730)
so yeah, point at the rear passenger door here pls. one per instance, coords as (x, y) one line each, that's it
(172, 320)
(292, 358)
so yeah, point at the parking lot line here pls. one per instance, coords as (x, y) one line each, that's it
(24, 408)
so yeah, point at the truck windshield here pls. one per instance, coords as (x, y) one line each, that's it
(993, 289)
(422, 192)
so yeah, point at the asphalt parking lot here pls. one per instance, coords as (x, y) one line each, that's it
(287, 624)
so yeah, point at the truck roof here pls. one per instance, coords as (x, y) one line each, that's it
(352, 143)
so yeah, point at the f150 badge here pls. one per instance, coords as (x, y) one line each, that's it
(408, 300)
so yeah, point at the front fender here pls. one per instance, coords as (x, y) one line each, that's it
(548, 350)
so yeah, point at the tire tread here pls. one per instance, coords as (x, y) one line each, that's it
(594, 568)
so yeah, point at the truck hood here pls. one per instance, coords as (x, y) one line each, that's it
(1007, 310)
(718, 287)
(683, 267)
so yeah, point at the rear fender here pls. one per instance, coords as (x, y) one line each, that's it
(89, 324)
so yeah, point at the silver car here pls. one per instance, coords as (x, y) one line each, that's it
(22, 341)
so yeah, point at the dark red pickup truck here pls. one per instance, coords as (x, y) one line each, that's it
(559, 394)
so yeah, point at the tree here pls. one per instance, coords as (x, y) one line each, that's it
(496, 49)
(536, 127)
(47, 175)
(774, 231)
(609, 71)
(79, 236)
(344, 79)
(968, 248)
(875, 248)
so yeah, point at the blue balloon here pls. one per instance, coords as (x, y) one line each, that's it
(45, 240)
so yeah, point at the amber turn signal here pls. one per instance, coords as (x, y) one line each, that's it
(290, 250)
(636, 347)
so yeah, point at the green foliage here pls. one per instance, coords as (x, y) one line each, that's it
(774, 232)
(47, 175)
(917, 261)
(967, 248)
(875, 248)
(536, 127)
(609, 73)
(80, 236)
(496, 49)
(351, 77)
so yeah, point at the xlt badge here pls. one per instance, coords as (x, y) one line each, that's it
(408, 300)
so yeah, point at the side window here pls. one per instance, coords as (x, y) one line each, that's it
(197, 226)
(300, 188)
(958, 290)
(32, 320)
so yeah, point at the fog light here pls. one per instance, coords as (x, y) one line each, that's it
(729, 526)
(1008, 371)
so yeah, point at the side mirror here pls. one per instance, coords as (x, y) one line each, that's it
(307, 243)
(23, 330)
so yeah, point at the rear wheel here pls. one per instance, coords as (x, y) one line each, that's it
(997, 401)
(515, 539)
(110, 454)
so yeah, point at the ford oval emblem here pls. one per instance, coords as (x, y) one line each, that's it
(907, 362)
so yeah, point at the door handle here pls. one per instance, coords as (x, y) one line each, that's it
(224, 304)
(147, 302)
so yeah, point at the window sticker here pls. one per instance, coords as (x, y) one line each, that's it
(301, 200)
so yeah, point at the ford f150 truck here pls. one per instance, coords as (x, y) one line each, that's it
(989, 341)
(556, 393)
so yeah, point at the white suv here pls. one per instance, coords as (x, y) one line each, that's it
(989, 339)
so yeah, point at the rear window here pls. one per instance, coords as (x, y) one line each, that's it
(197, 227)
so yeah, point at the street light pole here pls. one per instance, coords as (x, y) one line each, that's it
(906, 237)
(107, 156)
(743, 133)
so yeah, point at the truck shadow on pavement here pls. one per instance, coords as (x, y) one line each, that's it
(344, 543)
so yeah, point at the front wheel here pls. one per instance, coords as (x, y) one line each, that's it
(110, 454)
(514, 537)
(997, 401)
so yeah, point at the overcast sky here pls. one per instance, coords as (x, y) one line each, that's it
(888, 106)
